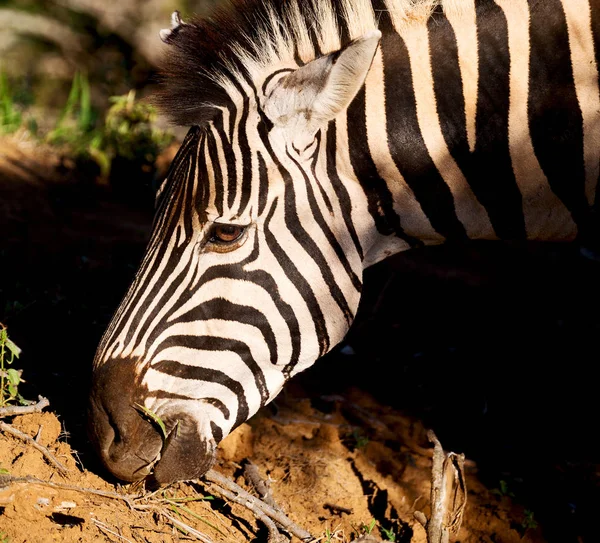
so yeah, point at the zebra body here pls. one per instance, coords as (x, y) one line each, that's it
(325, 137)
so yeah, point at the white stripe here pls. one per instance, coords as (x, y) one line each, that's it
(461, 15)
(541, 207)
(585, 74)
(413, 219)
(469, 211)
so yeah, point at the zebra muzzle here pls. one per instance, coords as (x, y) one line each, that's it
(186, 454)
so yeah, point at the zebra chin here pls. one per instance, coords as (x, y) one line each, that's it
(132, 447)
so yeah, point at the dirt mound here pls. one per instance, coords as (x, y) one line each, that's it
(321, 469)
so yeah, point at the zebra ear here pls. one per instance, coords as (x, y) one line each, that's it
(318, 91)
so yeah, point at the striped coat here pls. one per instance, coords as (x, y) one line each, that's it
(325, 137)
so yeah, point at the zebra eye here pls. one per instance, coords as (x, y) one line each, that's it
(226, 233)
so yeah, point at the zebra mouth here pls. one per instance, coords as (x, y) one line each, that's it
(185, 455)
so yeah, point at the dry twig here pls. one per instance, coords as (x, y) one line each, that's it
(253, 477)
(12, 410)
(28, 439)
(228, 489)
(448, 494)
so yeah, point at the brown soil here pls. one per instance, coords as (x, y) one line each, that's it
(465, 344)
(310, 458)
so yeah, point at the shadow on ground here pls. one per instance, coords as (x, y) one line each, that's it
(492, 345)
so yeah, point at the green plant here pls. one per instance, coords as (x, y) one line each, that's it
(10, 116)
(389, 534)
(368, 528)
(4, 537)
(9, 377)
(176, 505)
(129, 133)
(529, 521)
(154, 418)
(503, 490)
(333, 535)
(360, 439)
(76, 121)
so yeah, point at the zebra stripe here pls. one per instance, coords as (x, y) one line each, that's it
(344, 132)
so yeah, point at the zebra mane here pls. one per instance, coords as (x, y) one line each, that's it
(208, 59)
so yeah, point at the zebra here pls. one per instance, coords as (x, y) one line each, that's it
(327, 135)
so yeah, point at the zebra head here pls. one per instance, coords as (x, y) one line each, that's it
(254, 266)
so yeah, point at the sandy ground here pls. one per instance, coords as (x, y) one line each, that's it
(467, 345)
(312, 460)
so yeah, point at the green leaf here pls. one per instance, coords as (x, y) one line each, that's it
(12, 347)
(13, 377)
(155, 418)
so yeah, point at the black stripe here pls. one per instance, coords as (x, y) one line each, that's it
(491, 174)
(220, 308)
(555, 119)
(266, 281)
(379, 197)
(246, 160)
(183, 371)
(340, 189)
(299, 282)
(448, 86)
(313, 169)
(406, 141)
(214, 343)
(215, 162)
(271, 76)
(263, 184)
(321, 261)
(164, 395)
(217, 432)
(488, 169)
(595, 16)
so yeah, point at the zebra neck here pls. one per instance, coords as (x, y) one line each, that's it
(467, 128)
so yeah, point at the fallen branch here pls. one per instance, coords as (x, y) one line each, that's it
(253, 478)
(6, 480)
(448, 494)
(228, 489)
(49, 456)
(12, 410)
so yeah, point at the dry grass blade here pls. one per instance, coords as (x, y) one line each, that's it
(105, 529)
(186, 527)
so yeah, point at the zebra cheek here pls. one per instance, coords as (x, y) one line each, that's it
(186, 455)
